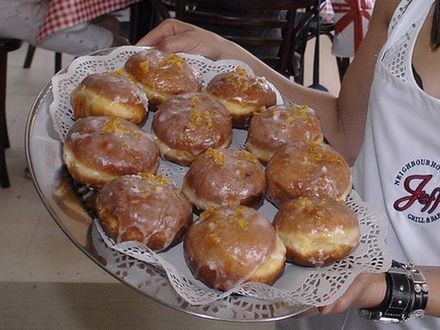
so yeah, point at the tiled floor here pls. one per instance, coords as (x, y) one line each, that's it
(45, 281)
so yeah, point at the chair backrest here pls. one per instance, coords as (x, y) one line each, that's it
(267, 28)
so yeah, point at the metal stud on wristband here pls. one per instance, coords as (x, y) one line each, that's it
(420, 291)
(406, 295)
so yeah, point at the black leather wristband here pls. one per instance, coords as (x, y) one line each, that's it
(406, 295)
(401, 300)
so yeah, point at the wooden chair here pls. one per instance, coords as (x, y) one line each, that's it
(6, 46)
(252, 24)
(30, 55)
(145, 15)
(328, 30)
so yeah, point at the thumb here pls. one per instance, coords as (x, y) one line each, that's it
(174, 44)
(167, 28)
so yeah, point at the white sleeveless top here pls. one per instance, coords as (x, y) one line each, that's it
(398, 167)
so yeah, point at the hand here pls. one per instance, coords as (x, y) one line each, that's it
(366, 291)
(172, 35)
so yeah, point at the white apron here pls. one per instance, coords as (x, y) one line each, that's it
(398, 167)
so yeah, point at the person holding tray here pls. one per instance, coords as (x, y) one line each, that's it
(384, 122)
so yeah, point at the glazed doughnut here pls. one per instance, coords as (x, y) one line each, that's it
(317, 232)
(227, 247)
(242, 94)
(225, 177)
(280, 125)
(161, 75)
(186, 125)
(144, 208)
(309, 170)
(98, 149)
(101, 94)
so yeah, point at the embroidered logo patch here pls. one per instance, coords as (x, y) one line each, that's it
(418, 183)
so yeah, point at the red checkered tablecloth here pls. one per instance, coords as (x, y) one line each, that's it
(63, 14)
(351, 19)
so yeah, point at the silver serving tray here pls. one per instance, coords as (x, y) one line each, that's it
(43, 152)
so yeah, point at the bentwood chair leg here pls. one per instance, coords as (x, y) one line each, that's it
(29, 56)
(4, 178)
(4, 140)
(58, 61)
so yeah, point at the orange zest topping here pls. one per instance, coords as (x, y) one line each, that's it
(173, 60)
(199, 120)
(240, 212)
(214, 239)
(216, 155)
(116, 73)
(114, 126)
(300, 111)
(303, 203)
(212, 226)
(246, 155)
(144, 65)
(242, 224)
(195, 101)
(154, 178)
(240, 70)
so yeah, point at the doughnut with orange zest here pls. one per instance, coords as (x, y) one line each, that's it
(99, 149)
(307, 170)
(144, 208)
(242, 94)
(280, 125)
(226, 247)
(101, 94)
(317, 232)
(186, 125)
(161, 75)
(225, 177)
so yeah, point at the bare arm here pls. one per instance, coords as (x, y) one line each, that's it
(368, 290)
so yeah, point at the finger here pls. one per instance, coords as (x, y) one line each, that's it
(166, 28)
(312, 311)
(326, 309)
(185, 43)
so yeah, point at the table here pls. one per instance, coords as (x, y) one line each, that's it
(351, 18)
(64, 14)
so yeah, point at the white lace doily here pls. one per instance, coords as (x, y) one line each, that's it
(154, 282)
(298, 286)
(63, 83)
